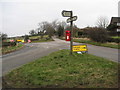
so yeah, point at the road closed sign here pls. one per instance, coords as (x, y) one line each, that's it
(79, 48)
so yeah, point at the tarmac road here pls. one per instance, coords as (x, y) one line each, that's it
(32, 51)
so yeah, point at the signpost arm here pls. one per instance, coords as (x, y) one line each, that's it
(71, 37)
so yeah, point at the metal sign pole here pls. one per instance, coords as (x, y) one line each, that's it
(71, 36)
(71, 19)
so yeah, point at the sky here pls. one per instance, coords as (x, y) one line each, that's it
(18, 17)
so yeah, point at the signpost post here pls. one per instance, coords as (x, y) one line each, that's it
(71, 19)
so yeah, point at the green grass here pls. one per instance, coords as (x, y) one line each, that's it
(118, 37)
(117, 46)
(61, 70)
(42, 40)
(9, 49)
(34, 37)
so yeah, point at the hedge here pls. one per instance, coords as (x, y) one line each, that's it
(116, 40)
(5, 44)
(34, 39)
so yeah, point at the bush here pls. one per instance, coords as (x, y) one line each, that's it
(112, 33)
(26, 38)
(5, 44)
(80, 33)
(116, 40)
(47, 38)
(35, 39)
(98, 35)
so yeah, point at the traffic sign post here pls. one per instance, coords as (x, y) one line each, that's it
(71, 19)
(66, 13)
(71, 42)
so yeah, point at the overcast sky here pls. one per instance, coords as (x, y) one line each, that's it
(18, 17)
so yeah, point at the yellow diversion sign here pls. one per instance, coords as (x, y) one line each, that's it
(79, 48)
(20, 41)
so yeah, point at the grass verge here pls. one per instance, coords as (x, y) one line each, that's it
(60, 70)
(116, 37)
(9, 49)
(43, 40)
(111, 45)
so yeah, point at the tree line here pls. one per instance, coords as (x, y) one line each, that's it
(49, 28)
(59, 27)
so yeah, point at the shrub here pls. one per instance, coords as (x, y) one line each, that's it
(26, 38)
(80, 33)
(47, 38)
(34, 39)
(5, 44)
(116, 40)
(98, 34)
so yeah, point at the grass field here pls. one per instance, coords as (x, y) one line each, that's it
(9, 49)
(61, 70)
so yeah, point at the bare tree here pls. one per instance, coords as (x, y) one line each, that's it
(102, 22)
(32, 32)
(55, 24)
(3, 36)
(50, 30)
(42, 28)
(60, 31)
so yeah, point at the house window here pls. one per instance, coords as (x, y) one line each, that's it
(118, 24)
(115, 23)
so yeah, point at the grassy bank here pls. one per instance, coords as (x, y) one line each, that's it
(118, 37)
(43, 40)
(87, 41)
(9, 49)
(60, 70)
(111, 45)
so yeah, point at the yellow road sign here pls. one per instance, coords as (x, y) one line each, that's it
(79, 48)
(19, 40)
(23, 41)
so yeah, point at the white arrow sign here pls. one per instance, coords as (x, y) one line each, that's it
(66, 13)
(72, 19)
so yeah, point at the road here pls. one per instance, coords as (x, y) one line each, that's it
(32, 51)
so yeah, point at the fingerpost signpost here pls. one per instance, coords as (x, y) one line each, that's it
(71, 19)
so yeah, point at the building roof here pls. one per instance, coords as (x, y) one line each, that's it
(115, 20)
